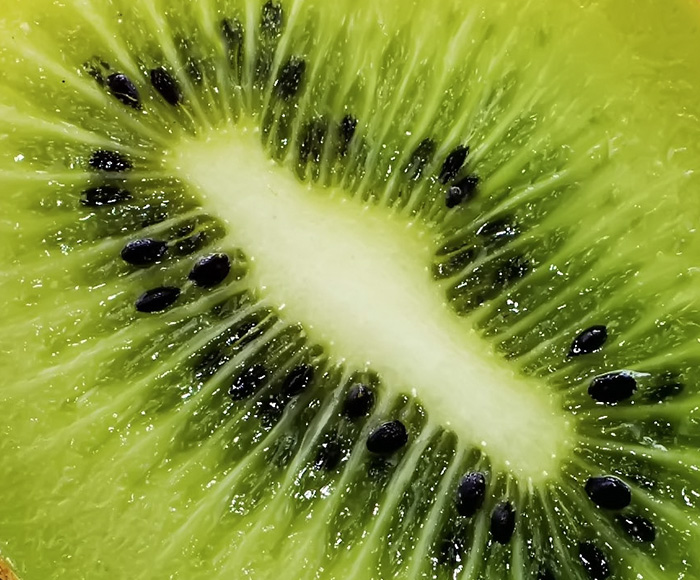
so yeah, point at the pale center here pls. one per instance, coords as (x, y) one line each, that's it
(358, 279)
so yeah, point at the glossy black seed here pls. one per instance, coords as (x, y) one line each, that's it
(511, 270)
(104, 195)
(248, 382)
(589, 341)
(271, 19)
(297, 380)
(608, 492)
(157, 299)
(387, 438)
(110, 161)
(502, 522)
(638, 528)
(290, 78)
(470, 493)
(593, 561)
(166, 85)
(329, 454)
(144, 252)
(210, 270)
(359, 401)
(124, 90)
(419, 159)
(453, 164)
(461, 191)
(612, 388)
(190, 245)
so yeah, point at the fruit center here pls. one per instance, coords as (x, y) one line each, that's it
(357, 277)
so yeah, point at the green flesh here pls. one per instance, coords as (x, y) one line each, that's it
(123, 455)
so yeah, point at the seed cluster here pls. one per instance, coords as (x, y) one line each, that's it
(492, 234)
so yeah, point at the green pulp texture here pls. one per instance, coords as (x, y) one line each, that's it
(124, 456)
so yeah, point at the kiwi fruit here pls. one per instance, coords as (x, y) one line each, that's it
(341, 290)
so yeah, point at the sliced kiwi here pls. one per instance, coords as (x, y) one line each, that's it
(298, 289)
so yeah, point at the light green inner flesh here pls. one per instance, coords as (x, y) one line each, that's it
(357, 279)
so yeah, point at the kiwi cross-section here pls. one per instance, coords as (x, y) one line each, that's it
(350, 289)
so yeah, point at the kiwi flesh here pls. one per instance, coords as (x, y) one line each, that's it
(349, 289)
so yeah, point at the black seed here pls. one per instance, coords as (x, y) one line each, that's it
(104, 195)
(111, 161)
(329, 454)
(297, 380)
(210, 270)
(166, 85)
(419, 159)
(503, 522)
(124, 90)
(470, 493)
(453, 163)
(511, 270)
(248, 382)
(346, 131)
(593, 561)
(638, 528)
(612, 388)
(358, 401)
(290, 78)
(589, 341)
(271, 19)
(461, 191)
(190, 245)
(454, 197)
(387, 438)
(608, 492)
(144, 252)
(157, 299)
